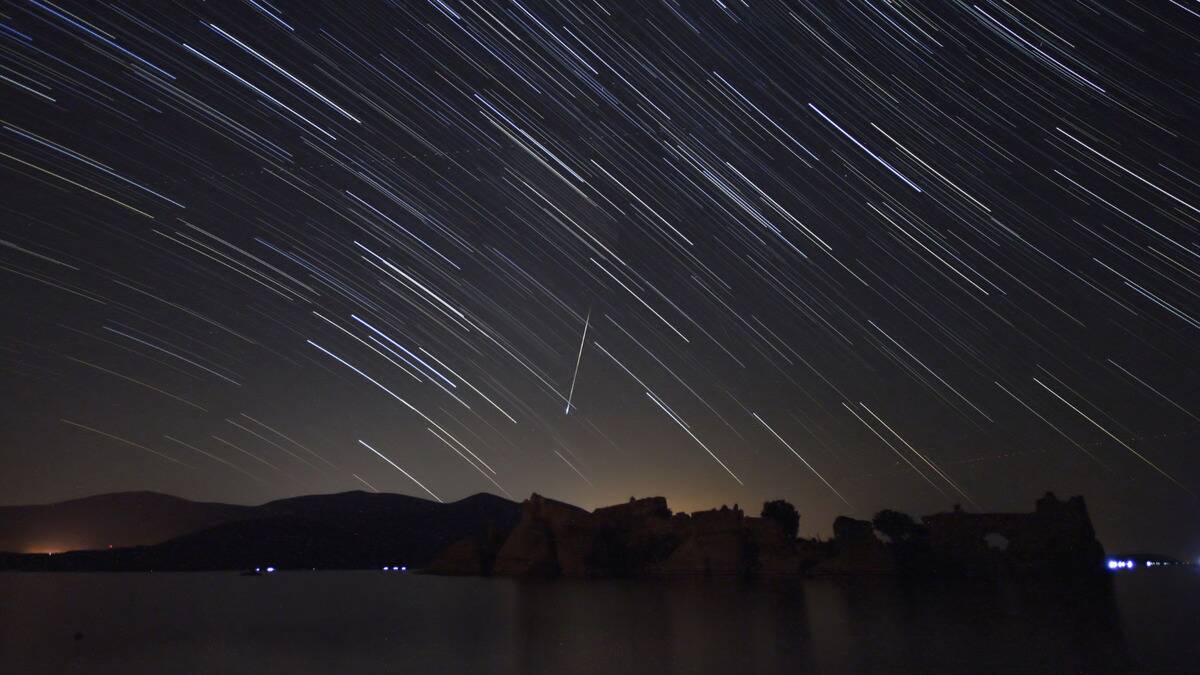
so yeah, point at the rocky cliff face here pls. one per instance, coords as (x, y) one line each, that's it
(552, 538)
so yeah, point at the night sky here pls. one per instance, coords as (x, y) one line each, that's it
(851, 254)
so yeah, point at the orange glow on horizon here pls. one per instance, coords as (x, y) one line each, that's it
(48, 549)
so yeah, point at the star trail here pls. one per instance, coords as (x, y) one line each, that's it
(949, 250)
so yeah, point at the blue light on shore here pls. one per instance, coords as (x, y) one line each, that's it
(1129, 564)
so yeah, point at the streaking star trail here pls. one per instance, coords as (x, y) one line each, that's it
(951, 251)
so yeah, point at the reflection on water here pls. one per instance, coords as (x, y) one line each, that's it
(372, 622)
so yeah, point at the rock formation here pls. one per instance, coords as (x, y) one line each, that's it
(473, 556)
(1056, 538)
(552, 538)
(858, 550)
(640, 537)
(712, 542)
(634, 537)
(643, 537)
(772, 551)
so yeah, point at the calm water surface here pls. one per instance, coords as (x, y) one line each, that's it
(376, 622)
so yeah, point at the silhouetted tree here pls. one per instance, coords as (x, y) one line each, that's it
(895, 525)
(785, 514)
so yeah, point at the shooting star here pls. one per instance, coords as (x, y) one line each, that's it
(578, 358)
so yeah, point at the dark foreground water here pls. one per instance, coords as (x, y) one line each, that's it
(387, 622)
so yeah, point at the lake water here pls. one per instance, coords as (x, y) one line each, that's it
(389, 622)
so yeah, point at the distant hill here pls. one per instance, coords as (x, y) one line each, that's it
(346, 530)
(119, 519)
(399, 528)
